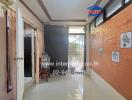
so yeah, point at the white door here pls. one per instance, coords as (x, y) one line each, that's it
(20, 54)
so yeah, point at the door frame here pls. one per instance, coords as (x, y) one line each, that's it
(7, 51)
(84, 34)
(28, 39)
(33, 44)
(20, 54)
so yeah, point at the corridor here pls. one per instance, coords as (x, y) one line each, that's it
(65, 49)
(70, 87)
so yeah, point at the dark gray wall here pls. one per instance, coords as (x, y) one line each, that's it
(56, 45)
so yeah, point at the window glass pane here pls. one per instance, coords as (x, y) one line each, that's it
(76, 43)
(99, 20)
(76, 53)
(76, 29)
(126, 1)
(116, 4)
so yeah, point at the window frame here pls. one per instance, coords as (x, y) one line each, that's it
(92, 26)
(98, 18)
(105, 18)
(111, 9)
(126, 1)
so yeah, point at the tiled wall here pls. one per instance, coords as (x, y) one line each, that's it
(107, 36)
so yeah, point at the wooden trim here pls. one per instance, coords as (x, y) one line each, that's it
(7, 52)
(71, 20)
(29, 25)
(31, 11)
(44, 9)
(76, 33)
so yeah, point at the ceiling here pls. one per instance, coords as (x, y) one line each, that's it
(68, 9)
(61, 12)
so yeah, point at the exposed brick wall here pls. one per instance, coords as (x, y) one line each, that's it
(107, 36)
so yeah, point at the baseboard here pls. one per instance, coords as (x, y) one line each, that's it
(105, 87)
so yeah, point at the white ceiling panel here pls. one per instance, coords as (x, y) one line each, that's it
(68, 23)
(62, 12)
(35, 7)
(68, 9)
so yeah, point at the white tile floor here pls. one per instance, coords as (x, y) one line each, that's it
(27, 80)
(75, 87)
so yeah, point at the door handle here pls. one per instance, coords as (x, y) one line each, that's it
(20, 58)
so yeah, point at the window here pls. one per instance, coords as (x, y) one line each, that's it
(114, 6)
(99, 20)
(126, 1)
(76, 29)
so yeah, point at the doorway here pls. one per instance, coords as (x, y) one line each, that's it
(27, 57)
(29, 53)
(76, 49)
